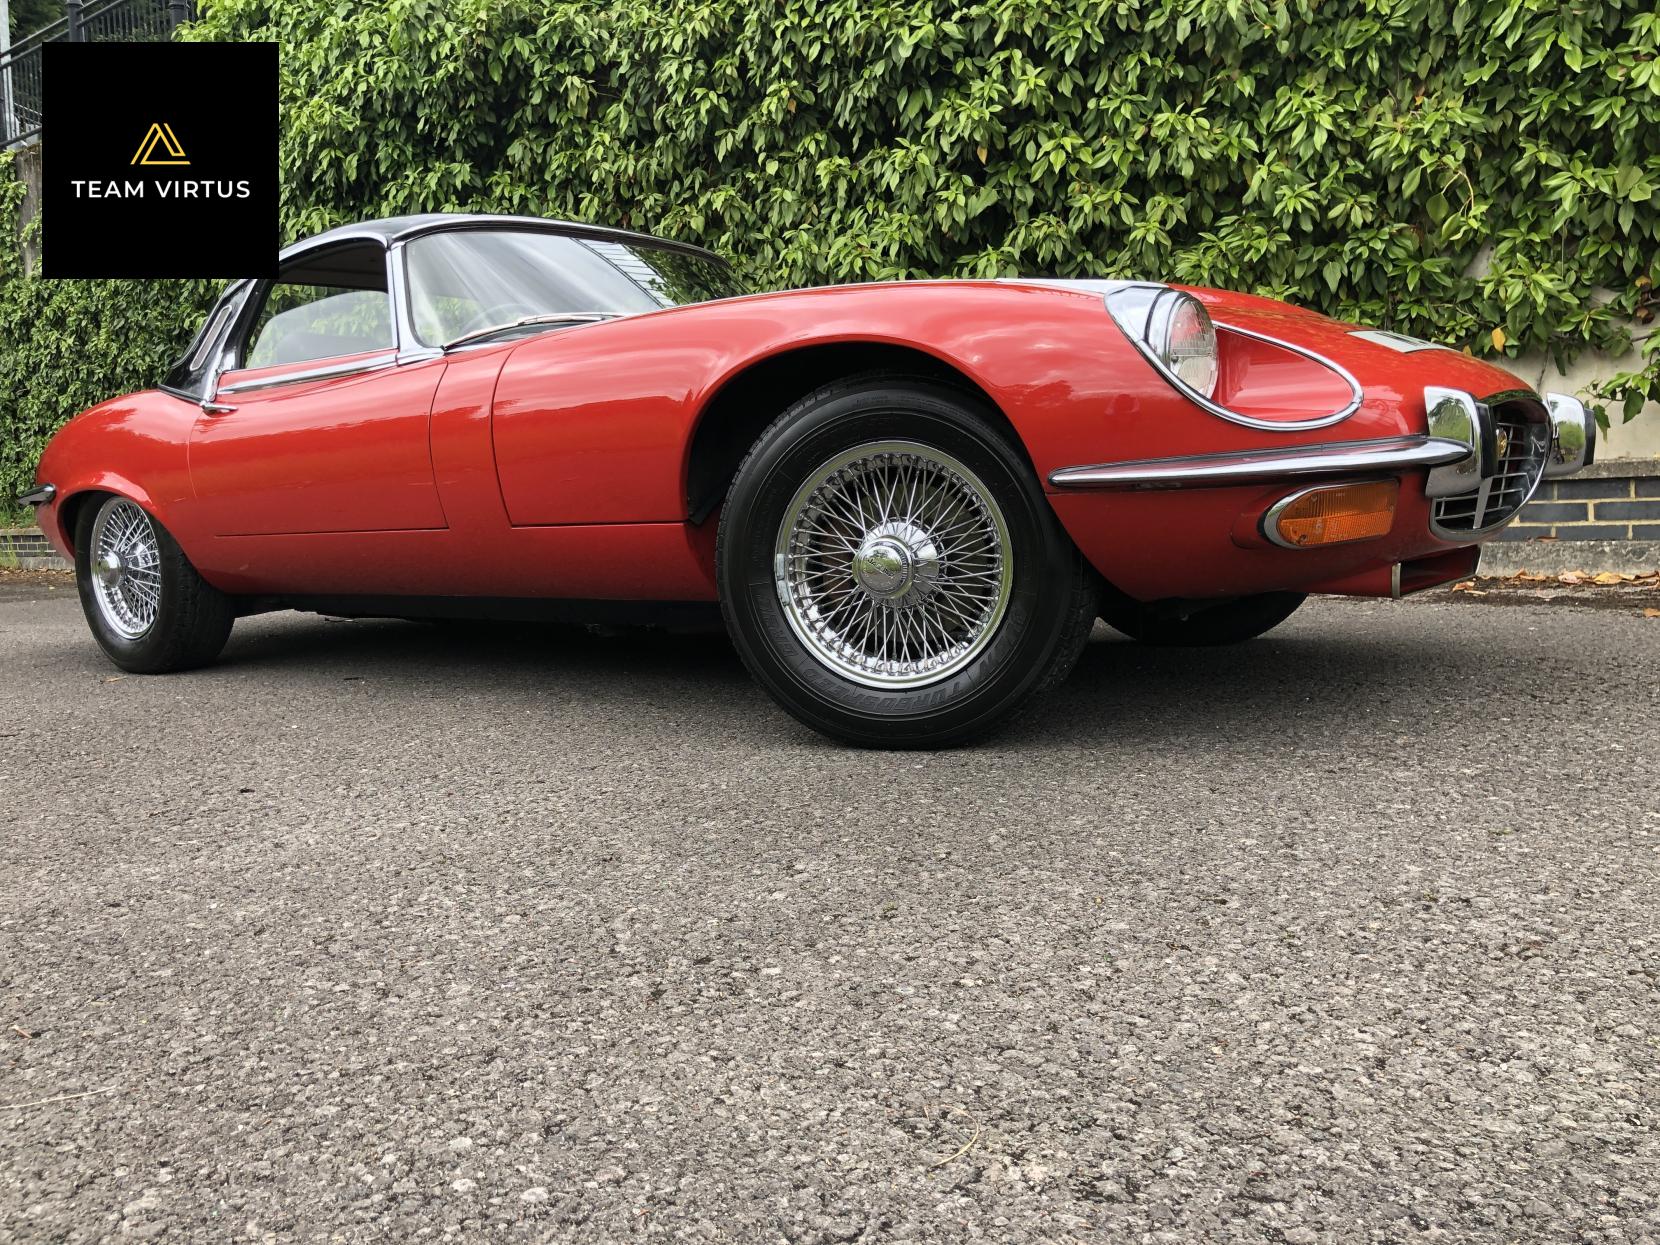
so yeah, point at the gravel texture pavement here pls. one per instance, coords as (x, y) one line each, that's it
(381, 931)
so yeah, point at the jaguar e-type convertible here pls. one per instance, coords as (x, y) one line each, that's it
(910, 500)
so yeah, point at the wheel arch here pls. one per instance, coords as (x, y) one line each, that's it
(736, 411)
(67, 510)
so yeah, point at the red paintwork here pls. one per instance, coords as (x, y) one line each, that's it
(557, 466)
(1264, 381)
(371, 472)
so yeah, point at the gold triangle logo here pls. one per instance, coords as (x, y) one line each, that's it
(160, 133)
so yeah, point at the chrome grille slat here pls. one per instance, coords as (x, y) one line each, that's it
(1501, 496)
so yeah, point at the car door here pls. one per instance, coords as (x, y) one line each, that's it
(318, 428)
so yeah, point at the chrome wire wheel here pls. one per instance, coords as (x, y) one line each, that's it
(894, 565)
(126, 568)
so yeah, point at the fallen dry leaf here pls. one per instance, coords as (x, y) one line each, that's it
(1609, 577)
(1651, 613)
(1571, 577)
(1468, 585)
(112, 678)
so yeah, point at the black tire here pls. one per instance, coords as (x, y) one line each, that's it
(191, 619)
(1051, 592)
(1225, 622)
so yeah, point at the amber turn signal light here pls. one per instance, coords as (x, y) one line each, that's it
(1333, 516)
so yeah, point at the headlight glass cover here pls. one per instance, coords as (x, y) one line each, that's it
(1181, 334)
(1173, 329)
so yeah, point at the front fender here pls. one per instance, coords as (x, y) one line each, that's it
(136, 446)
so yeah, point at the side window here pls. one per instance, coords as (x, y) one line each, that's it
(299, 323)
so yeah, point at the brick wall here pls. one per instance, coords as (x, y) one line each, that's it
(1617, 500)
(25, 547)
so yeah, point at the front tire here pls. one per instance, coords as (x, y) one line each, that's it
(147, 607)
(1226, 622)
(890, 571)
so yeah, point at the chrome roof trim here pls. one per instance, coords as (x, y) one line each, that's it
(393, 229)
(1339, 458)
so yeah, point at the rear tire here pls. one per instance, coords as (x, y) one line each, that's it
(890, 571)
(1227, 622)
(147, 607)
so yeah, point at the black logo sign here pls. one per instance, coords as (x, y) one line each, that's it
(159, 160)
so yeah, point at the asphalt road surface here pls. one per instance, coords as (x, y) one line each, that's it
(380, 931)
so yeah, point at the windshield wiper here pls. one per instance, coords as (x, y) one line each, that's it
(523, 322)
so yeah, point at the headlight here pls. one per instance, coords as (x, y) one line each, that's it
(1277, 385)
(1172, 329)
(1179, 331)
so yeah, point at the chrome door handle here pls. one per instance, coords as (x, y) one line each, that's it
(216, 408)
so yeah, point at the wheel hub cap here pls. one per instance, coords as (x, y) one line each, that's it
(882, 567)
(898, 562)
(110, 569)
(894, 565)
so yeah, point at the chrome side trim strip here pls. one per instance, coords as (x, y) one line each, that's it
(40, 495)
(1340, 458)
(327, 372)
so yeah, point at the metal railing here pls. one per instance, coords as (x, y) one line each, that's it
(100, 21)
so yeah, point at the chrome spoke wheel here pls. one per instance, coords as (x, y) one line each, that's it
(894, 565)
(125, 568)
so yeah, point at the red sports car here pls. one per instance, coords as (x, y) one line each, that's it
(911, 500)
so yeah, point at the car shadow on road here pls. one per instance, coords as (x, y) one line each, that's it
(458, 650)
(1291, 689)
(1318, 680)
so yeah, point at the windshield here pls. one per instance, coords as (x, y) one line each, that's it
(471, 283)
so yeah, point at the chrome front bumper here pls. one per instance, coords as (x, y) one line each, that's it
(1339, 458)
(1573, 435)
(1513, 441)
(40, 495)
(1461, 451)
(1457, 416)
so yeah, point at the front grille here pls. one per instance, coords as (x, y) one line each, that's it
(1523, 438)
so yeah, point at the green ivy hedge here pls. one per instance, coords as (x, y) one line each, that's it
(1481, 172)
